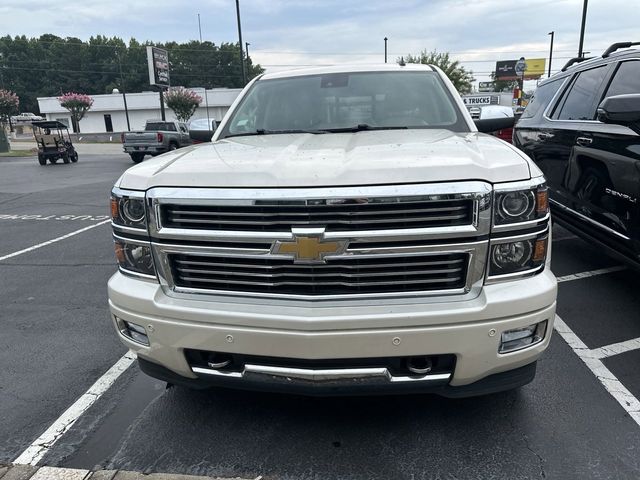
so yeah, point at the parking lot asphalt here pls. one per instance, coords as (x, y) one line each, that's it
(57, 340)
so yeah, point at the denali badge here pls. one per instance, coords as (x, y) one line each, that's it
(308, 246)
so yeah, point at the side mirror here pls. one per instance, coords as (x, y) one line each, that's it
(621, 110)
(489, 125)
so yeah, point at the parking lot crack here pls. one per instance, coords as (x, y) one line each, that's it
(541, 461)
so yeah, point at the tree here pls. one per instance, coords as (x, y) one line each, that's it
(9, 105)
(183, 102)
(459, 76)
(78, 105)
(49, 65)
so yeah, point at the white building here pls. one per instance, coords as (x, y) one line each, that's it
(108, 114)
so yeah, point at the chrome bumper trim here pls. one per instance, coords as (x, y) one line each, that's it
(325, 375)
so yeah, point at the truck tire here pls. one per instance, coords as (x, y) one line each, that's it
(41, 160)
(137, 157)
(74, 157)
(65, 158)
(173, 146)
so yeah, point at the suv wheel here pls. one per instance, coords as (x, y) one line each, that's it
(137, 157)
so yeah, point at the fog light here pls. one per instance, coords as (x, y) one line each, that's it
(133, 331)
(523, 337)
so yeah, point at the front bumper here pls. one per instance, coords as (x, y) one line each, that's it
(470, 330)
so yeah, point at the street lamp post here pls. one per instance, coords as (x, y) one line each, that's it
(385, 49)
(550, 51)
(124, 95)
(584, 21)
(244, 72)
(246, 53)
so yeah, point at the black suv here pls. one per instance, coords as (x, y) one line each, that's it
(582, 128)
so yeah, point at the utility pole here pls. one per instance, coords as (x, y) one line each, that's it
(162, 114)
(206, 97)
(124, 95)
(246, 51)
(551, 51)
(385, 49)
(244, 72)
(584, 21)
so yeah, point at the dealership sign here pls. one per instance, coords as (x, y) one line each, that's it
(480, 100)
(486, 86)
(513, 69)
(158, 62)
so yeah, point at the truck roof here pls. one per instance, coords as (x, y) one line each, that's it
(384, 67)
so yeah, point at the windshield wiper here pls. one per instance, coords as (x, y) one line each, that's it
(262, 131)
(361, 127)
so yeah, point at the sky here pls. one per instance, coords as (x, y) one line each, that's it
(291, 33)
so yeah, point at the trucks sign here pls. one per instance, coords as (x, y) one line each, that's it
(480, 100)
(158, 62)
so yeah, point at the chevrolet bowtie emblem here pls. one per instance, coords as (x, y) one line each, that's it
(308, 246)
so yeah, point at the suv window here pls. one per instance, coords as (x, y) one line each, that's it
(579, 103)
(541, 98)
(626, 80)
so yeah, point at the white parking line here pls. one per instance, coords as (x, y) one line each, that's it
(608, 380)
(38, 449)
(616, 348)
(590, 273)
(49, 242)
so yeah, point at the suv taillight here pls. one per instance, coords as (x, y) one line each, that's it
(159, 137)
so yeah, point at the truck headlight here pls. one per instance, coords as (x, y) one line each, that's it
(134, 257)
(128, 209)
(520, 205)
(518, 254)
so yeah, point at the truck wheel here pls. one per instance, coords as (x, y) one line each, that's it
(65, 158)
(74, 157)
(137, 157)
(173, 146)
(41, 160)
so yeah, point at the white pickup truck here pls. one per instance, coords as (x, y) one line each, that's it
(347, 231)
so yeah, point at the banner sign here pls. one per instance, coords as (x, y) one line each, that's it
(534, 69)
(486, 86)
(480, 100)
(158, 62)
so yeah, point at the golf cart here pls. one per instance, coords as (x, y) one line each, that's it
(53, 142)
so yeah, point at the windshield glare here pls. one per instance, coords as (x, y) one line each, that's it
(346, 100)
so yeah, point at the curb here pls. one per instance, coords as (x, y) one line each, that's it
(28, 472)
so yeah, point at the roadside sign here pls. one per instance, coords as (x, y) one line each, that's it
(158, 62)
(486, 86)
(480, 100)
(533, 68)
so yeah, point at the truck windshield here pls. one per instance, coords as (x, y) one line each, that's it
(160, 127)
(339, 102)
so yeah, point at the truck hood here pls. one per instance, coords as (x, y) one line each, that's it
(334, 159)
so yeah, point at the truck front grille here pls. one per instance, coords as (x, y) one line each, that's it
(322, 243)
(399, 214)
(346, 275)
